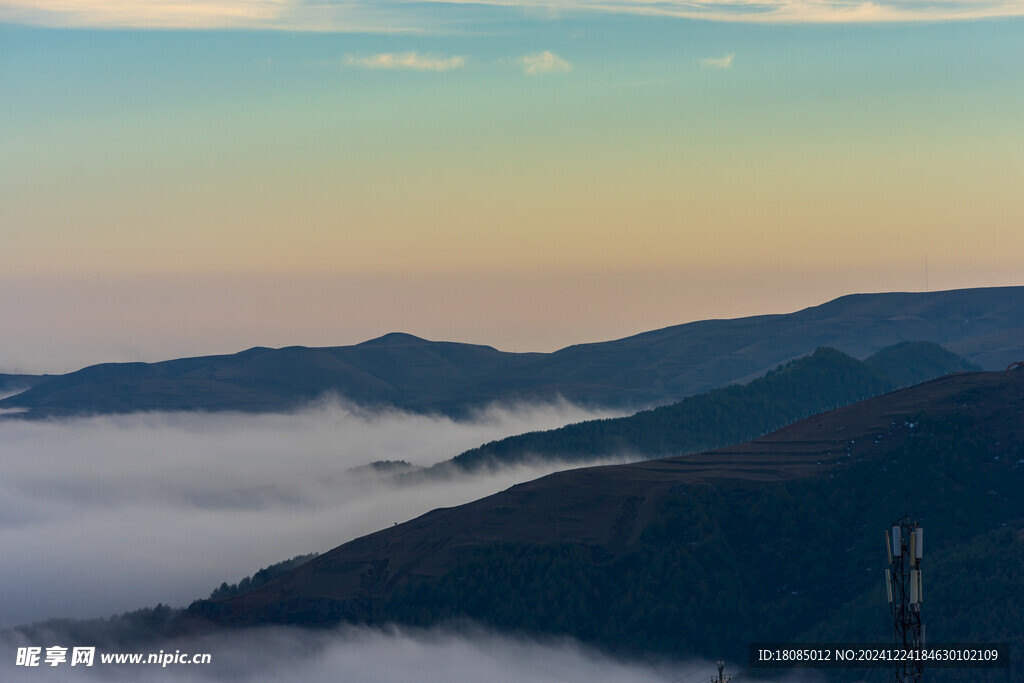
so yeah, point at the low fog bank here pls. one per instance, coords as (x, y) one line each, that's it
(393, 655)
(107, 514)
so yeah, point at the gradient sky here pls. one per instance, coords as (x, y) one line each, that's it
(180, 177)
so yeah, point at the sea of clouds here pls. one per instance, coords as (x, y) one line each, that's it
(103, 515)
(106, 514)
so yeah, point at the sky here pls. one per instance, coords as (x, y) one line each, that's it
(186, 177)
(182, 178)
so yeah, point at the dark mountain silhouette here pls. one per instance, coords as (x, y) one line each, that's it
(985, 326)
(10, 383)
(774, 539)
(806, 386)
(259, 578)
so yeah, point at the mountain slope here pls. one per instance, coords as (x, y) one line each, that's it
(772, 537)
(18, 383)
(985, 326)
(395, 369)
(806, 386)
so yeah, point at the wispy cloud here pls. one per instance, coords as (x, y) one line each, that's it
(143, 13)
(546, 62)
(396, 15)
(718, 62)
(778, 11)
(406, 60)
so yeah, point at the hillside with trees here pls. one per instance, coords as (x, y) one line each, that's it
(777, 539)
(822, 381)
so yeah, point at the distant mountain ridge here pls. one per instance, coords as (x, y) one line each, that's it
(10, 382)
(985, 326)
(809, 385)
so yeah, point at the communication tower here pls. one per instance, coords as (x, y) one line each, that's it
(903, 587)
(721, 677)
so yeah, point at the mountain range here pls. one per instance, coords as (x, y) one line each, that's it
(985, 326)
(806, 386)
(776, 539)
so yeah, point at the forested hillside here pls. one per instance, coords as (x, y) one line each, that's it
(777, 539)
(824, 380)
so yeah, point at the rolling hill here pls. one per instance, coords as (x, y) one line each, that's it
(775, 539)
(10, 384)
(809, 385)
(985, 326)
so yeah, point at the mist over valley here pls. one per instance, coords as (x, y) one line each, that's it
(102, 515)
(466, 540)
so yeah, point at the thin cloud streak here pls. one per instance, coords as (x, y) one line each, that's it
(185, 14)
(413, 61)
(775, 11)
(546, 62)
(390, 17)
(718, 62)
